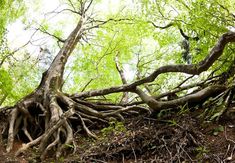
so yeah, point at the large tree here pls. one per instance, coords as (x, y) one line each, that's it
(48, 116)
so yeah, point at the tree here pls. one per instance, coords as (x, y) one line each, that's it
(48, 116)
(10, 11)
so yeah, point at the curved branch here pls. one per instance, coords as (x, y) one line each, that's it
(162, 27)
(195, 97)
(181, 31)
(192, 98)
(52, 35)
(193, 69)
(187, 37)
(124, 98)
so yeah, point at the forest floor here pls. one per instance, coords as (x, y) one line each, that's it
(175, 137)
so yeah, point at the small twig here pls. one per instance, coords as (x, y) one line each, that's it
(89, 133)
(187, 154)
(105, 22)
(165, 145)
(227, 151)
(161, 27)
(184, 81)
(134, 153)
(86, 85)
(52, 35)
(226, 137)
(97, 160)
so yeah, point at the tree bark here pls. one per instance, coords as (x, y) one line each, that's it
(44, 102)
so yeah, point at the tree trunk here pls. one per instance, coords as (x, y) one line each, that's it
(48, 104)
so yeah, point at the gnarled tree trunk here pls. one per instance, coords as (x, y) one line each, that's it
(48, 104)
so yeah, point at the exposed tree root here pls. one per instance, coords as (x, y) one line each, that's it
(50, 122)
(52, 125)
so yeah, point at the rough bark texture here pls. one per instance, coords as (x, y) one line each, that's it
(47, 107)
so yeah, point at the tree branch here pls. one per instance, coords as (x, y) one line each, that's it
(193, 69)
(46, 32)
(186, 37)
(162, 27)
(124, 98)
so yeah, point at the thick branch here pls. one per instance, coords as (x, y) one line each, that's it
(193, 69)
(52, 35)
(53, 76)
(192, 98)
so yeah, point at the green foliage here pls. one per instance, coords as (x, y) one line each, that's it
(114, 127)
(17, 79)
(10, 10)
(201, 150)
(184, 109)
(214, 108)
(143, 48)
(6, 83)
(140, 46)
(206, 19)
(171, 122)
(164, 112)
(217, 130)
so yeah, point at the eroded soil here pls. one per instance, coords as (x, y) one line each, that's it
(174, 138)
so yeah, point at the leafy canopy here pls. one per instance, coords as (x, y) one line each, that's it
(137, 33)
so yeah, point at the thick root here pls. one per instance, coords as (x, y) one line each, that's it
(50, 126)
(11, 134)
